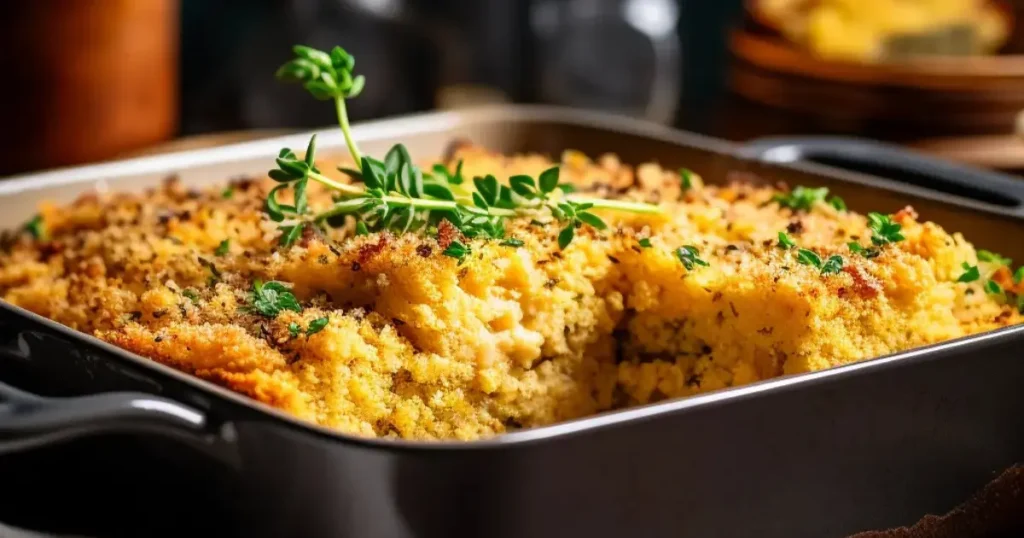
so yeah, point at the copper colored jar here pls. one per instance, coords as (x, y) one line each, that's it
(85, 80)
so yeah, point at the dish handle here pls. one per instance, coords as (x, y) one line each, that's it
(894, 163)
(28, 421)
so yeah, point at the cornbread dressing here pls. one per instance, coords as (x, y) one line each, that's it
(420, 345)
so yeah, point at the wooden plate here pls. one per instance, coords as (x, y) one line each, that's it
(973, 74)
(924, 98)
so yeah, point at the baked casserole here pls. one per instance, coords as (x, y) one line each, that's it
(387, 334)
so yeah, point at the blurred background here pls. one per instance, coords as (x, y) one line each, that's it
(90, 80)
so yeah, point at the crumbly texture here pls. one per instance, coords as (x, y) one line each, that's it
(420, 346)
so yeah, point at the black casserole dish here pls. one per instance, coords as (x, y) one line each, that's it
(869, 445)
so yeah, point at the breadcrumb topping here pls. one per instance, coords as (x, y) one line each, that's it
(391, 338)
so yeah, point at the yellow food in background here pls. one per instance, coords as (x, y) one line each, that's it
(417, 345)
(858, 30)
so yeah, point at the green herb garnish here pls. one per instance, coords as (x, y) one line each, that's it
(574, 214)
(993, 287)
(191, 295)
(452, 178)
(992, 257)
(458, 251)
(808, 257)
(327, 77)
(1018, 277)
(223, 247)
(317, 325)
(685, 179)
(271, 298)
(36, 227)
(395, 194)
(645, 242)
(883, 229)
(512, 242)
(868, 253)
(832, 265)
(785, 243)
(803, 199)
(227, 193)
(294, 329)
(689, 255)
(565, 236)
(290, 234)
(971, 273)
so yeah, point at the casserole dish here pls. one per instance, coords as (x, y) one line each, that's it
(869, 445)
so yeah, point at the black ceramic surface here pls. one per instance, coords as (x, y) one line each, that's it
(866, 446)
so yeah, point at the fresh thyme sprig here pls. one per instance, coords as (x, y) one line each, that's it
(396, 195)
(808, 257)
(327, 77)
(458, 251)
(869, 252)
(884, 230)
(971, 273)
(315, 326)
(543, 192)
(271, 298)
(803, 199)
(690, 257)
(223, 248)
(36, 227)
(512, 242)
(831, 266)
(785, 242)
(1011, 294)
(685, 179)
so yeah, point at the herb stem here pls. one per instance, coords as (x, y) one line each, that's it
(339, 105)
(396, 195)
(404, 201)
(352, 192)
(328, 182)
(421, 203)
(632, 207)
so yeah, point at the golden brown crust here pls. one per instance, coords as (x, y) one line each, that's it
(417, 345)
(223, 354)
